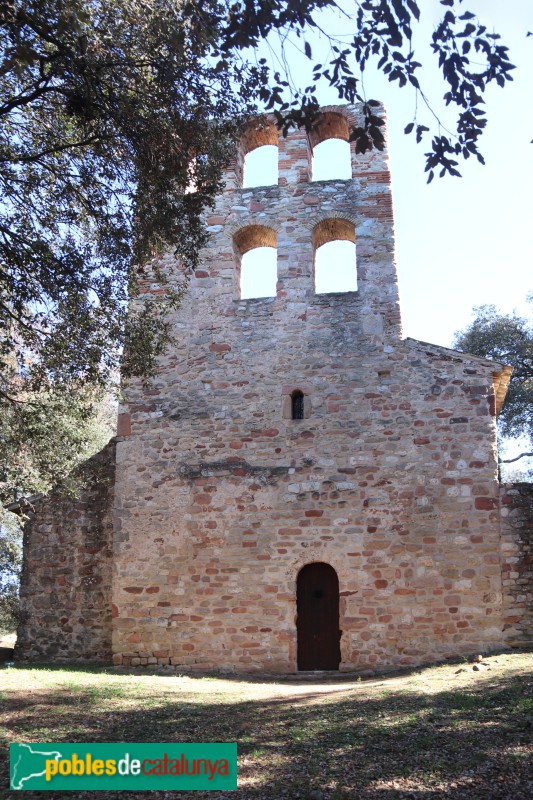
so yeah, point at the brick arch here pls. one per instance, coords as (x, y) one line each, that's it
(317, 219)
(332, 230)
(249, 221)
(252, 236)
(330, 125)
(259, 133)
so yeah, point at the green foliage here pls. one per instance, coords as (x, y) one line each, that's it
(10, 565)
(105, 107)
(10, 547)
(110, 111)
(45, 436)
(507, 338)
(9, 608)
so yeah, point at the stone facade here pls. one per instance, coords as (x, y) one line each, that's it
(517, 563)
(390, 477)
(66, 575)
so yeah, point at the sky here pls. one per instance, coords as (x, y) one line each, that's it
(461, 242)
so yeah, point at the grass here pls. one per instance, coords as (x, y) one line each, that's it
(443, 732)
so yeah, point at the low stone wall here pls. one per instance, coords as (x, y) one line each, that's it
(66, 576)
(517, 563)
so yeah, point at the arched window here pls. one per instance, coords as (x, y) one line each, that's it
(329, 142)
(259, 148)
(335, 259)
(297, 404)
(256, 250)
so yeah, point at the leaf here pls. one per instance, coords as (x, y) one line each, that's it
(399, 8)
(409, 128)
(414, 9)
(469, 29)
(362, 143)
(377, 137)
(307, 50)
(419, 132)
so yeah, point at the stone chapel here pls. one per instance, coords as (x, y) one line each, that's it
(300, 488)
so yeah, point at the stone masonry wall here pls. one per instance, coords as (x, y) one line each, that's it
(517, 563)
(66, 578)
(391, 477)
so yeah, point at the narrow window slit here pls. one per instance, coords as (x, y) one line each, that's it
(297, 404)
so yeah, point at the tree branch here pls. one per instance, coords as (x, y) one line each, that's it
(25, 99)
(14, 402)
(510, 460)
(54, 150)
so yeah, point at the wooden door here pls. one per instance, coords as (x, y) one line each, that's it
(317, 621)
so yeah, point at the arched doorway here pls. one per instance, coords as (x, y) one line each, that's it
(317, 622)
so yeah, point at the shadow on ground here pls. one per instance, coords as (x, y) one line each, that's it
(360, 743)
